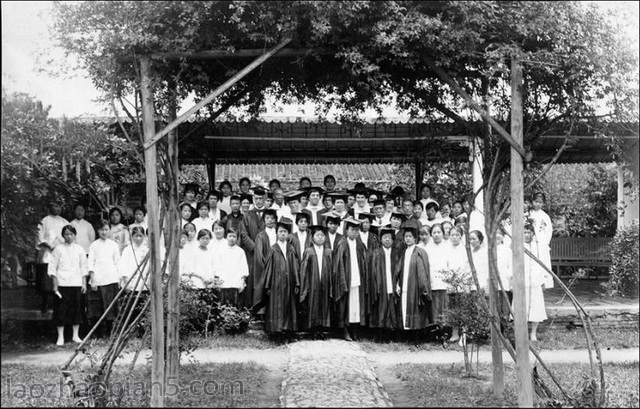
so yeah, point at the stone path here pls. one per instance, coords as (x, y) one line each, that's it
(332, 373)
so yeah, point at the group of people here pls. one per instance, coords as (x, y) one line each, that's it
(307, 260)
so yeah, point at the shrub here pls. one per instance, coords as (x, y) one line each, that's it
(623, 280)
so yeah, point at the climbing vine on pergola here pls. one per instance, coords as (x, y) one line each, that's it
(438, 60)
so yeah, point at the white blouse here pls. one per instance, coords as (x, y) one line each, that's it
(203, 267)
(438, 266)
(130, 259)
(69, 264)
(231, 267)
(104, 257)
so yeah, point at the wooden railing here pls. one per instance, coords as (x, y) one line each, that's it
(580, 252)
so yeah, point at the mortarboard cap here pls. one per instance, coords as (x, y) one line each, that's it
(235, 197)
(287, 226)
(259, 191)
(316, 227)
(340, 195)
(293, 195)
(379, 202)
(386, 230)
(365, 215)
(311, 189)
(399, 215)
(331, 217)
(351, 222)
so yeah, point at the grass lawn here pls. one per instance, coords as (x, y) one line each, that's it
(448, 385)
(228, 385)
(554, 338)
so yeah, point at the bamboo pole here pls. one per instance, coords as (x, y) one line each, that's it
(218, 91)
(494, 295)
(173, 224)
(523, 366)
(151, 174)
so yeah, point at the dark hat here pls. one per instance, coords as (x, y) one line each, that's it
(259, 191)
(235, 197)
(379, 202)
(271, 212)
(331, 217)
(399, 215)
(246, 196)
(311, 189)
(338, 195)
(359, 190)
(386, 230)
(191, 186)
(316, 227)
(413, 230)
(303, 215)
(351, 222)
(287, 226)
(374, 229)
(293, 195)
(364, 215)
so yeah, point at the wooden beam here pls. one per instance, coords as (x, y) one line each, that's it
(229, 54)
(217, 92)
(473, 104)
(151, 174)
(523, 366)
(211, 173)
(419, 176)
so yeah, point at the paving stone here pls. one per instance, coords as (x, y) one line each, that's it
(332, 373)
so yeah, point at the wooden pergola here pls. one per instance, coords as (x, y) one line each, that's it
(411, 142)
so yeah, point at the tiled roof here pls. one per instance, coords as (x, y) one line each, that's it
(346, 174)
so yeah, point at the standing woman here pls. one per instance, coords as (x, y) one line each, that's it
(480, 259)
(413, 286)
(383, 312)
(315, 283)
(543, 231)
(104, 278)
(534, 282)
(281, 285)
(437, 250)
(458, 272)
(186, 214)
(226, 190)
(118, 232)
(132, 258)
(68, 268)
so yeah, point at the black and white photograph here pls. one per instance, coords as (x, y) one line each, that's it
(320, 204)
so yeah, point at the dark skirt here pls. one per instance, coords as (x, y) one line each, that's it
(439, 304)
(98, 301)
(68, 309)
(229, 296)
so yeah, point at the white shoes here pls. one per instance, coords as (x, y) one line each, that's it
(60, 342)
(77, 340)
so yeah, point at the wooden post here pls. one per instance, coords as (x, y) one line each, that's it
(151, 174)
(523, 367)
(173, 260)
(211, 172)
(494, 293)
(419, 176)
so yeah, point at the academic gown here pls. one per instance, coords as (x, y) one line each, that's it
(342, 279)
(260, 253)
(315, 287)
(419, 313)
(327, 243)
(281, 278)
(383, 307)
(295, 241)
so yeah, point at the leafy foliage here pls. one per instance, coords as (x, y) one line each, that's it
(201, 313)
(44, 158)
(624, 268)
